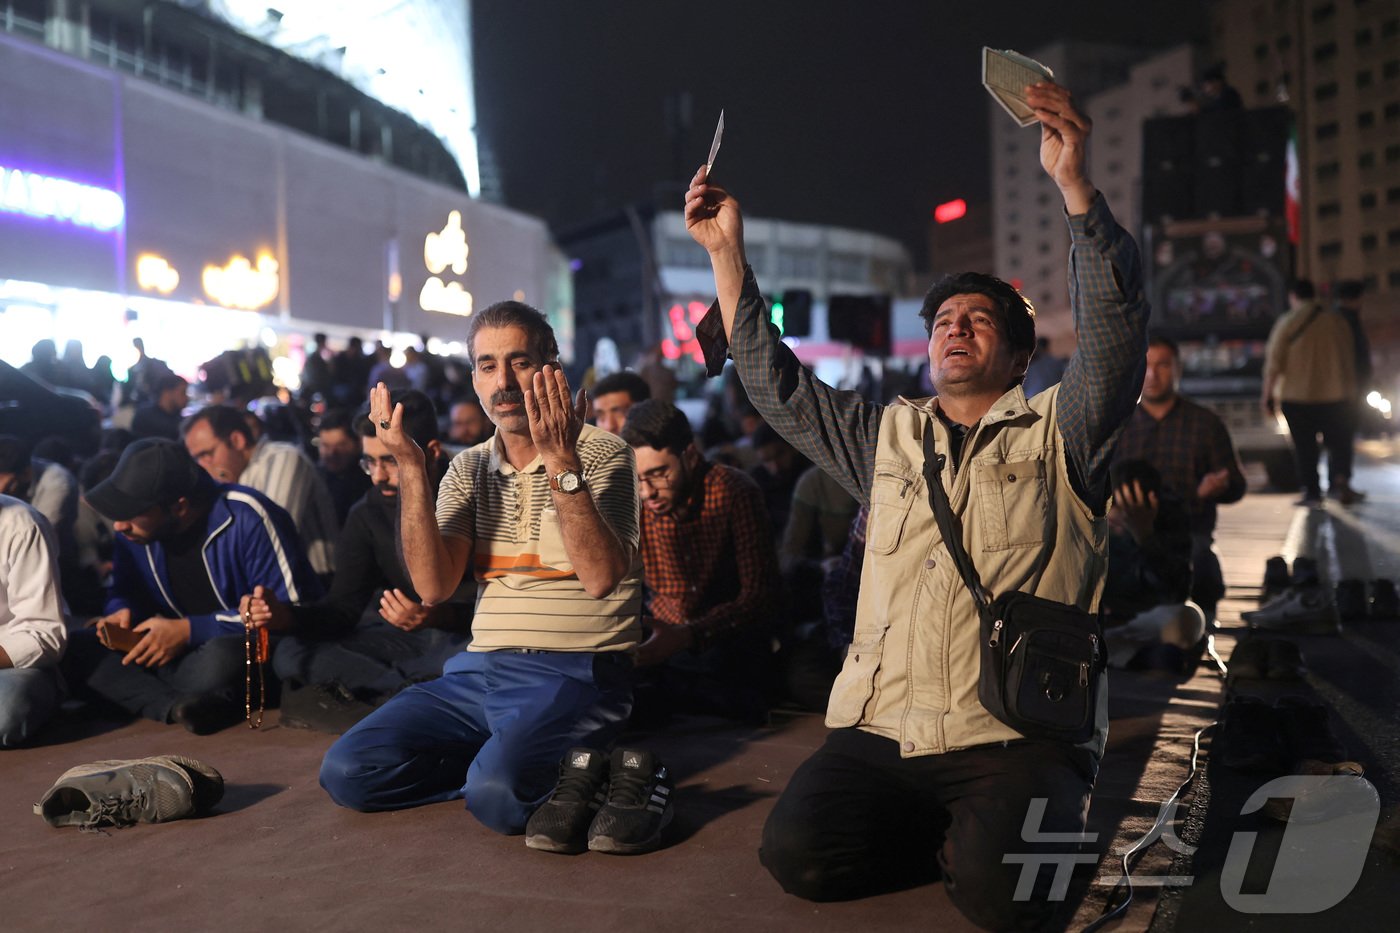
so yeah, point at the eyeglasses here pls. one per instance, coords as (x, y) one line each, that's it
(656, 479)
(387, 461)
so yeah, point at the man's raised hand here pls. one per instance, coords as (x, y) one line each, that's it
(1064, 134)
(555, 424)
(712, 216)
(388, 426)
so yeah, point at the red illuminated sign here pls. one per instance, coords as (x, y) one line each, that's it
(950, 210)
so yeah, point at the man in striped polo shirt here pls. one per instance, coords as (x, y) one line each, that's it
(544, 516)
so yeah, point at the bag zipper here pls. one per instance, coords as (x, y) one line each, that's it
(996, 634)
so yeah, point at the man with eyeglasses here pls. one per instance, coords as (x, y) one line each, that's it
(371, 635)
(219, 439)
(710, 568)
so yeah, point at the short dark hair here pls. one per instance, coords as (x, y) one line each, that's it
(1162, 340)
(625, 381)
(169, 381)
(336, 419)
(1304, 288)
(658, 424)
(1017, 314)
(14, 454)
(224, 420)
(419, 417)
(1141, 471)
(540, 334)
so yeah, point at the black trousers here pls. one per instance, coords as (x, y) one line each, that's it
(1335, 421)
(215, 668)
(856, 819)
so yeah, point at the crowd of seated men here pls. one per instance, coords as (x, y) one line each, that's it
(177, 529)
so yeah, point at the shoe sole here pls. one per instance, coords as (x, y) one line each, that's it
(546, 844)
(610, 846)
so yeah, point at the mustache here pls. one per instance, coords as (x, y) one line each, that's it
(508, 397)
(389, 488)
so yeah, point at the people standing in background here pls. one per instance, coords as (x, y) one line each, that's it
(160, 417)
(1310, 371)
(1349, 307)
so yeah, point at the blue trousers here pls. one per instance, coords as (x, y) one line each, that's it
(28, 697)
(492, 729)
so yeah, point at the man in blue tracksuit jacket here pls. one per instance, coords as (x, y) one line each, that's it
(189, 550)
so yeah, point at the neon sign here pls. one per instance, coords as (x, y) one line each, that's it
(682, 341)
(59, 199)
(241, 284)
(155, 274)
(442, 250)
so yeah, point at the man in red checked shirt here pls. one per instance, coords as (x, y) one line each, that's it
(710, 569)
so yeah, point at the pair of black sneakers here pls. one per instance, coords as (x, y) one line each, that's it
(617, 805)
(1262, 737)
(1361, 600)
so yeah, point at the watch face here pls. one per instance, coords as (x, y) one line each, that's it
(569, 481)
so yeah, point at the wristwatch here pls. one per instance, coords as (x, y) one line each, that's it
(569, 481)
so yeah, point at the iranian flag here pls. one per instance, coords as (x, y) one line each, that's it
(1292, 187)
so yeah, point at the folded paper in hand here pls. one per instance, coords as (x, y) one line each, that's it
(1005, 75)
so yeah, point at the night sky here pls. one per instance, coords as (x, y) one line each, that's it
(860, 114)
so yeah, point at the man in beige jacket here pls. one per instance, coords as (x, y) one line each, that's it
(917, 777)
(1310, 368)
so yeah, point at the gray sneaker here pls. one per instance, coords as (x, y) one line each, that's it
(1303, 610)
(123, 793)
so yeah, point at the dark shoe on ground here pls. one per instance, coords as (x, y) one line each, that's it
(328, 707)
(123, 793)
(1250, 736)
(1307, 733)
(1385, 603)
(1345, 495)
(1310, 500)
(561, 823)
(1276, 579)
(1304, 572)
(1352, 605)
(1249, 660)
(1306, 610)
(639, 805)
(1285, 660)
(204, 714)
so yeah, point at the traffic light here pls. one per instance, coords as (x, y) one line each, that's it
(863, 321)
(792, 312)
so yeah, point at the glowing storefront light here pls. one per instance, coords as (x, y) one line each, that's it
(243, 285)
(445, 297)
(59, 199)
(442, 250)
(155, 274)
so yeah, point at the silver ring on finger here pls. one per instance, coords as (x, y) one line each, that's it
(384, 424)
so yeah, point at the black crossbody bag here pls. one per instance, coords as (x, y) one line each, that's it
(1040, 659)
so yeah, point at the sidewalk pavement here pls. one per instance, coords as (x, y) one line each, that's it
(1181, 881)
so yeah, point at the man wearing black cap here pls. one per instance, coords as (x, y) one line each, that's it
(188, 551)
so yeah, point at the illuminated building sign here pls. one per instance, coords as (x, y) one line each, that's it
(242, 284)
(682, 341)
(154, 274)
(442, 250)
(61, 200)
(949, 211)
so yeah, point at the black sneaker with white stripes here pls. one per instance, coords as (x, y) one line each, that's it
(638, 808)
(561, 823)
